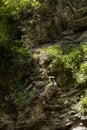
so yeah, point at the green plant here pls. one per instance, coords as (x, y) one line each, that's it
(15, 6)
(14, 55)
(82, 105)
(69, 66)
(84, 101)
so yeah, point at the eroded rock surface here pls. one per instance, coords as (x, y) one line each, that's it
(45, 104)
(51, 107)
(65, 21)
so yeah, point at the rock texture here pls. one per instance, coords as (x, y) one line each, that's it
(51, 107)
(45, 105)
(50, 22)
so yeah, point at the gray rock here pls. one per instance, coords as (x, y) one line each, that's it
(39, 84)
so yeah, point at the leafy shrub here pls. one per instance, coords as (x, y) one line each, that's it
(84, 101)
(69, 66)
(15, 6)
(14, 55)
(82, 107)
(82, 74)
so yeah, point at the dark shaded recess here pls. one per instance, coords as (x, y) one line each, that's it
(81, 29)
(8, 105)
(13, 30)
(4, 91)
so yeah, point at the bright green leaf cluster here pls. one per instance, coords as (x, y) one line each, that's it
(15, 6)
(69, 65)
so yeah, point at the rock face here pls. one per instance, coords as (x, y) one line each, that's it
(44, 105)
(66, 20)
(51, 107)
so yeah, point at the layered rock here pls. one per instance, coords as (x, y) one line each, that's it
(50, 22)
(45, 105)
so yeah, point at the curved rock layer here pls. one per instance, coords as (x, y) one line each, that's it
(50, 22)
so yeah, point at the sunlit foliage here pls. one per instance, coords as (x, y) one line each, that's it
(69, 65)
